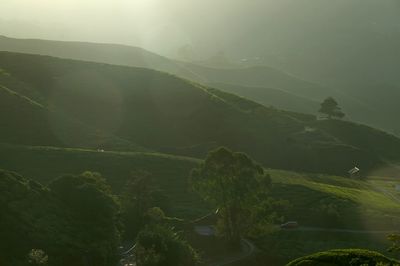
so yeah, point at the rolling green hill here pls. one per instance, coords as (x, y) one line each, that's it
(24, 121)
(137, 57)
(143, 108)
(336, 202)
(269, 86)
(361, 102)
(95, 52)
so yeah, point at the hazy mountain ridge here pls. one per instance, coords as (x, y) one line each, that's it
(358, 105)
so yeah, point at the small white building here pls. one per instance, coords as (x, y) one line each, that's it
(354, 172)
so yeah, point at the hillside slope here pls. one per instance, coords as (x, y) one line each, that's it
(278, 98)
(95, 52)
(361, 102)
(23, 121)
(270, 86)
(164, 113)
(137, 57)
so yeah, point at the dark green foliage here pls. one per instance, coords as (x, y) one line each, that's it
(233, 183)
(160, 246)
(139, 195)
(74, 223)
(351, 257)
(331, 108)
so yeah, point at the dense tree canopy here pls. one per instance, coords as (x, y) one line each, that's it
(159, 245)
(73, 222)
(96, 212)
(233, 183)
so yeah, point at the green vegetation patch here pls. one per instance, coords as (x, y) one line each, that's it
(336, 202)
(122, 108)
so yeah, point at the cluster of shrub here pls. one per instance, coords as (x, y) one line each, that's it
(77, 220)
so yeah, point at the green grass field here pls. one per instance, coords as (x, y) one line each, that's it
(337, 202)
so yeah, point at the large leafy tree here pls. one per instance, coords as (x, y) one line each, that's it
(234, 184)
(331, 108)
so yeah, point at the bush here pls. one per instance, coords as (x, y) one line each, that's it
(352, 257)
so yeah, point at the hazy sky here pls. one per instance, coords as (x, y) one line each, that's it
(205, 25)
(161, 25)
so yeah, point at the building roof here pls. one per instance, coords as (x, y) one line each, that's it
(354, 170)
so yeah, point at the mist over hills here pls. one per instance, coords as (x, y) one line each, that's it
(199, 132)
(364, 106)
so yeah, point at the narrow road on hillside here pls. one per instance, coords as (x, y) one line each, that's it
(127, 255)
(248, 250)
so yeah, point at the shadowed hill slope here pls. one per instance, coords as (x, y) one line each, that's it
(24, 121)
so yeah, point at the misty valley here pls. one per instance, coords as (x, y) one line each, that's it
(137, 134)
